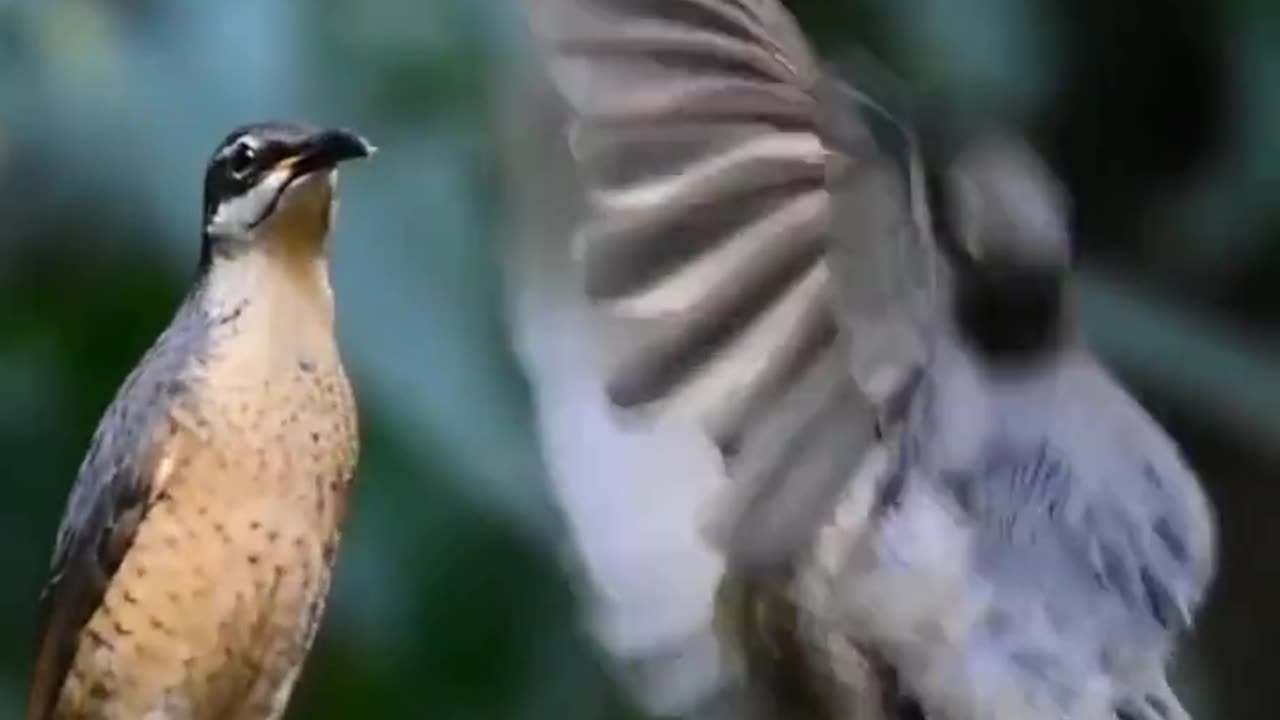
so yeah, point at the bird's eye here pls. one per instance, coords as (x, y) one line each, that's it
(241, 159)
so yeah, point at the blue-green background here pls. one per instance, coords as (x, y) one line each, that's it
(1162, 116)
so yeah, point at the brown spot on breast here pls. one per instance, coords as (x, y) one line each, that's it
(145, 652)
(95, 637)
(159, 625)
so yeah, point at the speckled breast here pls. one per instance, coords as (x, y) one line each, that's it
(218, 600)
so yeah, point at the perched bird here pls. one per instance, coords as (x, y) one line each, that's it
(812, 397)
(194, 557)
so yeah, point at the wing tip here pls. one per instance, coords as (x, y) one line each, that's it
(48, 672)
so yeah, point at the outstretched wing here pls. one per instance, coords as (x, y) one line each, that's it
(691, 332)
(697, 131)
(120, 478)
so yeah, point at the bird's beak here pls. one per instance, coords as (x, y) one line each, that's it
(324, 150)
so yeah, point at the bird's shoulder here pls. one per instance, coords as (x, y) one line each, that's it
(1089, 473)
(1133, 457)
(126, 445)
(1145, 477)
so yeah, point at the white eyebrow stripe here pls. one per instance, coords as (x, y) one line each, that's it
(249, 141)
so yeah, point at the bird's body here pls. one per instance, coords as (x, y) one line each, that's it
(194, 559)
(851, 347)
(1022, 563)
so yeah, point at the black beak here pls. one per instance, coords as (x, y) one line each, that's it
(326, 149)
(319, 151)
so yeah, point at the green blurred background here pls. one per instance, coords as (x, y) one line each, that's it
(1162, 116)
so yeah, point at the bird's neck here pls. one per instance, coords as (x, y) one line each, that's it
(272, 296)
(274, 274)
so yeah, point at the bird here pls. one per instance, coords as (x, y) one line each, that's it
(811, 395)
(193, 560)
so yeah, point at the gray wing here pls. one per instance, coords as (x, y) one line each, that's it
(685, 332)
(1099, 527)
(111, 495)
(697, 130)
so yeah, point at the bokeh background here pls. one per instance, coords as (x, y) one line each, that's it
(1163, 117)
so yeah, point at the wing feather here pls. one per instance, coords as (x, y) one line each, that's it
(705, 265)
(119, 480)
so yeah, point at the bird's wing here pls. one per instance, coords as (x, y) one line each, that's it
(713, 349)
(125, 470)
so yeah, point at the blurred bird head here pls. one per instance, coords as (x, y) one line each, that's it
(1000, 216)
(274, 183)
(987, 201)
(995, 204)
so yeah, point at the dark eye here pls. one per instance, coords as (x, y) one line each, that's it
(241, 159)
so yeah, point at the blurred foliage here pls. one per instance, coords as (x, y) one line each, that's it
(1162, 117)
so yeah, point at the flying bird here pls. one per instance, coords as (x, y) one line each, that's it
(194, 557)
(812, 396)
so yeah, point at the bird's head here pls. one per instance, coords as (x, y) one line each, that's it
(1001, 217)
(273, 183)
(996, 203)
